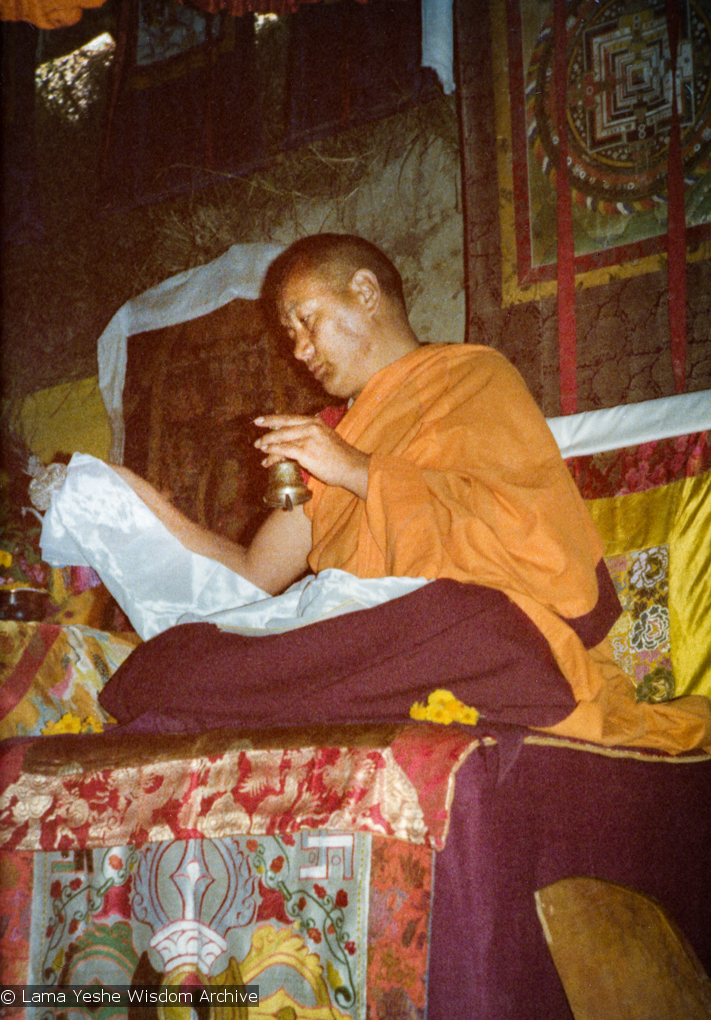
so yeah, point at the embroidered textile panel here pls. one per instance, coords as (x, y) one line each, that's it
(636, 498)
(640, 637)
(328, 925)
(658, 553)
(638, 468)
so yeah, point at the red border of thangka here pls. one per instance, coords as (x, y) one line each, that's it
(528, 273)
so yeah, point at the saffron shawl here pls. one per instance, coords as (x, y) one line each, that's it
(466, 481)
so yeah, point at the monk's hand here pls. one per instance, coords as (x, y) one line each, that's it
(316, 447)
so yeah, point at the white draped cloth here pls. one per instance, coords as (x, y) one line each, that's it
(97, 520)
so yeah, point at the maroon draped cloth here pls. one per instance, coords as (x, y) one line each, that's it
(553, 812)
(366, 666)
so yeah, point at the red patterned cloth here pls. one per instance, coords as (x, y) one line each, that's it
(638, 468)
(77, 792)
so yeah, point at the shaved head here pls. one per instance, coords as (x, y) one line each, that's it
(335, 258)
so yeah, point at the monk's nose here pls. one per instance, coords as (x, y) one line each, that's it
(302, 345)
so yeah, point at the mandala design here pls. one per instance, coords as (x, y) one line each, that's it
(619, 96)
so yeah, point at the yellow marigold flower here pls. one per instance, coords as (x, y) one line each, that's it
(443, 707)
(67, 724)
(5, 558)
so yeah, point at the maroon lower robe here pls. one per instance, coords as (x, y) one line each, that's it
(365, 666)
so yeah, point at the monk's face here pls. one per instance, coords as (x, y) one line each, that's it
(330, 329)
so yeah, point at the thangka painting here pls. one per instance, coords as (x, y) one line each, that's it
(618, 116)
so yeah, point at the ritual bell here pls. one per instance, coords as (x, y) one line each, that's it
(285, 486)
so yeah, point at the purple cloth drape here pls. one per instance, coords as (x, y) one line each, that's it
(553, 813)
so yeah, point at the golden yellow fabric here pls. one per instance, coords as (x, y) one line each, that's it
(637, 530)
(690, 587)
(677, 516)
(467, 482)
(637, 521)
(69, 418)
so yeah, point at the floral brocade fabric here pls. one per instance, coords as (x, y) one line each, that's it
(50, 676)
(640, 638)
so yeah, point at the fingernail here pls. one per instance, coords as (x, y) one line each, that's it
(258, 421)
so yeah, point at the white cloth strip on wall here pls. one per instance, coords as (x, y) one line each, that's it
(629, 424)
(438, 41)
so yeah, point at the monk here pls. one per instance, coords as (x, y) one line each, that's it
(444, 468)
(342, 305)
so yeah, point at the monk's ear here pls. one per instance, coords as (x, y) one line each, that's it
(365, 287)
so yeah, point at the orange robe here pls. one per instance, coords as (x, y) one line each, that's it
(46, 13)
(466, 481)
